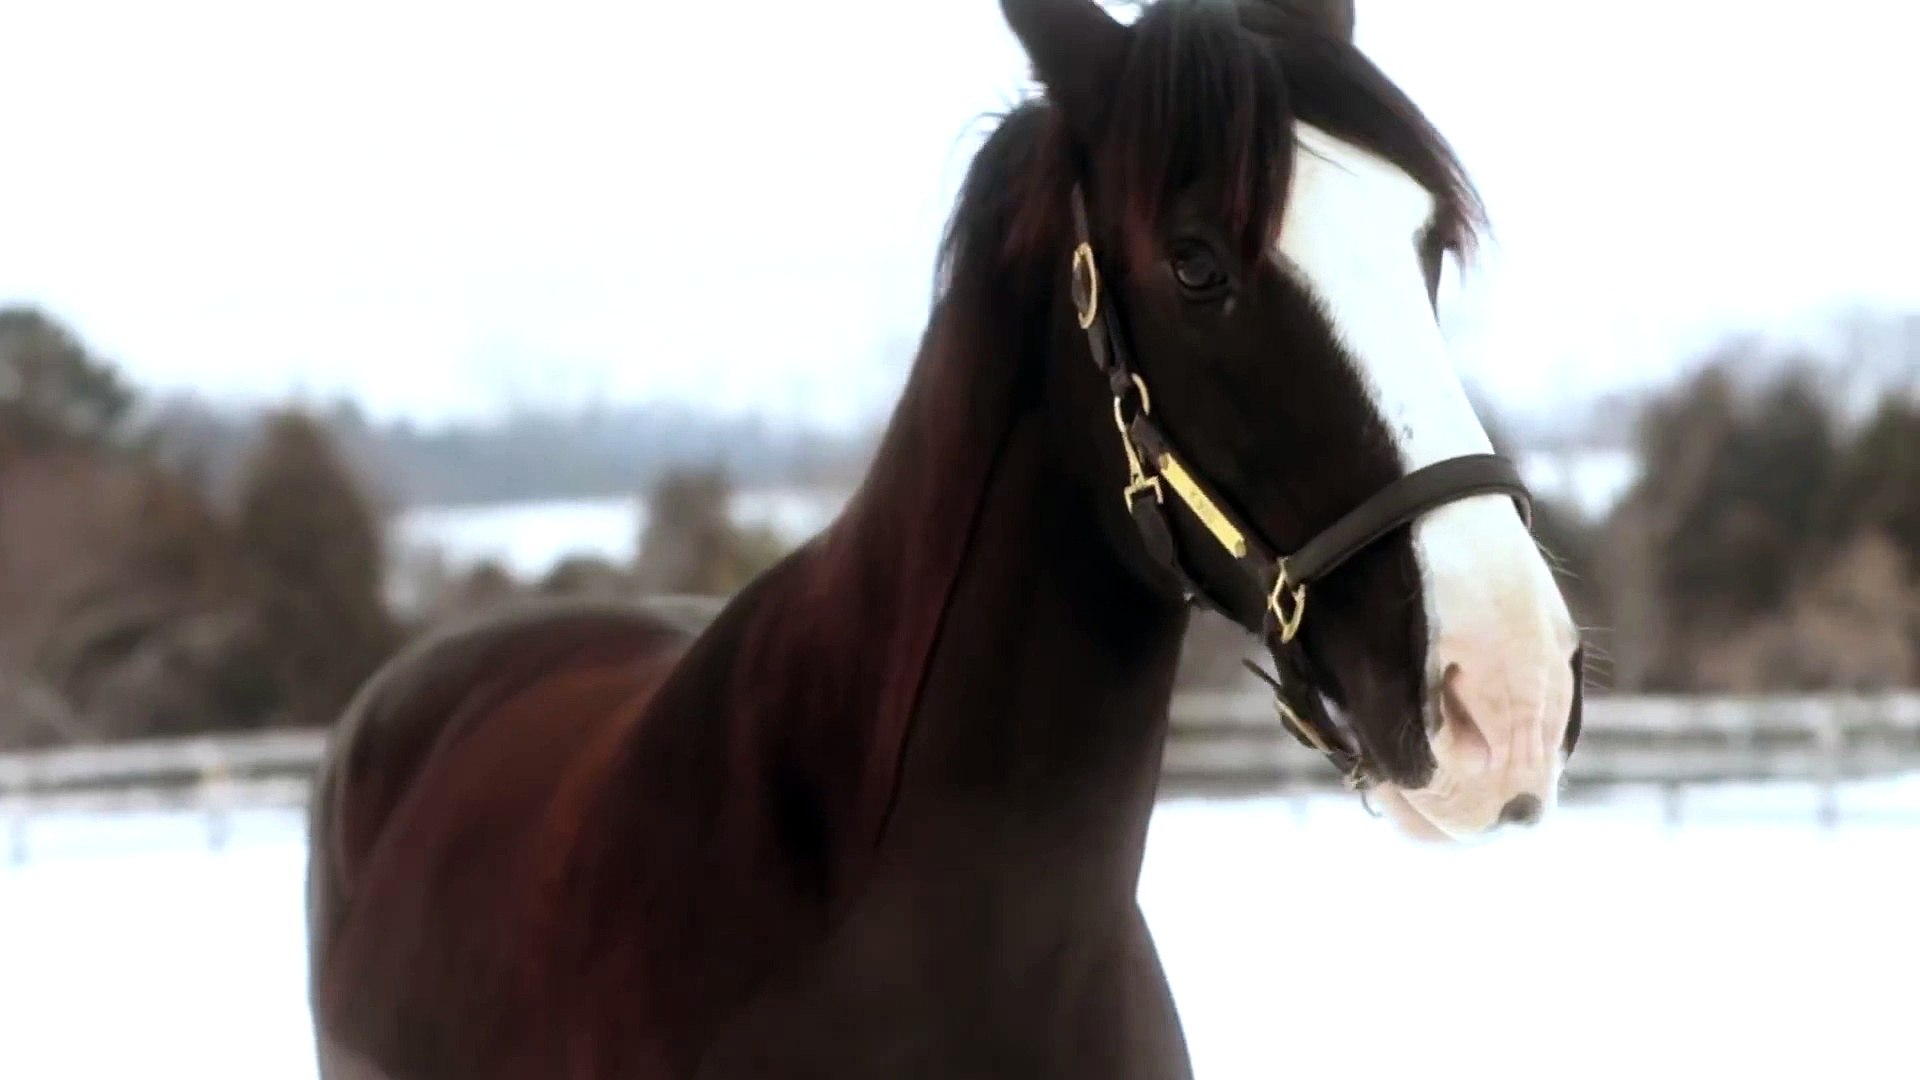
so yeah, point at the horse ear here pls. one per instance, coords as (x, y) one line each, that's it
(1077, 50)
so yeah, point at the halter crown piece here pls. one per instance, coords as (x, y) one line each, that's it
(1154, 468)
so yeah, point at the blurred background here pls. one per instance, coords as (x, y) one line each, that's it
(320, 327)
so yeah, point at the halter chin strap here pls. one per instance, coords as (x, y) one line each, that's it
(1155, 471)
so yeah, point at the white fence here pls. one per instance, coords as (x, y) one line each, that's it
(1233, 738)
(1229, 738)
(1223, 741)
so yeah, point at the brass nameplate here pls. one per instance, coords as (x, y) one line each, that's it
(1203, 507)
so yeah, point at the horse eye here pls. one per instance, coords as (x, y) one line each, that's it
(1197, 270)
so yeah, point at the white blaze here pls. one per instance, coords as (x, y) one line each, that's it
(1351, 238)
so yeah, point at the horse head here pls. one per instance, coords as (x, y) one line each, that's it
(1251, 223)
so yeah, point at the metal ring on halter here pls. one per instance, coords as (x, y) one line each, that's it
(1086, 290)
(1289, 625)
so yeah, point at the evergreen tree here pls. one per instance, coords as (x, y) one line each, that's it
(313, 544)
(53, 391)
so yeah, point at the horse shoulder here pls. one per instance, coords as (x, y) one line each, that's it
(434, 689)
(441, 809)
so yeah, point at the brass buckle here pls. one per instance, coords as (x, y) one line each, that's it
(1086, 285)
(1277, 603)
(1143, 483)
(1137, 478)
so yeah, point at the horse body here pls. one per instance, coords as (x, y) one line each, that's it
(439, 825)
(884, 815)
(725, 857)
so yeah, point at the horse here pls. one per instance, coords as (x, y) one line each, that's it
(882, 813)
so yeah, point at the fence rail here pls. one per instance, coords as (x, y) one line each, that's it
(1232, 739)
(1221, 741)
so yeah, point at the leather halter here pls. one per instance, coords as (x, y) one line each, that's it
(1154, 468)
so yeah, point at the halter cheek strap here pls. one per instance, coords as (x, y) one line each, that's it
(1156, 471)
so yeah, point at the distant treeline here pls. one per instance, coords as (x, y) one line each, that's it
(1772, 540)
(603, 450)
(174, 570)
(167, 568)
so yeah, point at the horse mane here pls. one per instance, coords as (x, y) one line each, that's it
(1335, 87)
(764, 765)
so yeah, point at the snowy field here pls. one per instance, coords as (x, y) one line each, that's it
(1303, 939)
(529, 538)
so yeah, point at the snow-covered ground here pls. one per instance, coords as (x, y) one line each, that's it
(1303, 939)
(529, 538)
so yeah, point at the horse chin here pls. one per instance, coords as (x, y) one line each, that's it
(1409, 820)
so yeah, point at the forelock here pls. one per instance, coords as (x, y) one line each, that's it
(1200, 109)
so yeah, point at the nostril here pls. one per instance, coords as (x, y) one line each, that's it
(1522, 810)
(1457, 719)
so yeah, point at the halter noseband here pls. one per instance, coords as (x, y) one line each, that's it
(1153, 467)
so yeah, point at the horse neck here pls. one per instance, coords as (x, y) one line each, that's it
(955, 684)
(1042, 713)
(961, 643)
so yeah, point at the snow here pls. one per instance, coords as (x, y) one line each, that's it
(1302, 939)
(530, 538)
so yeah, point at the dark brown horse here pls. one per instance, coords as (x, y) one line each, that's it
(884, 815)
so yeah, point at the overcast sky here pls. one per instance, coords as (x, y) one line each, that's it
(444, 209)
